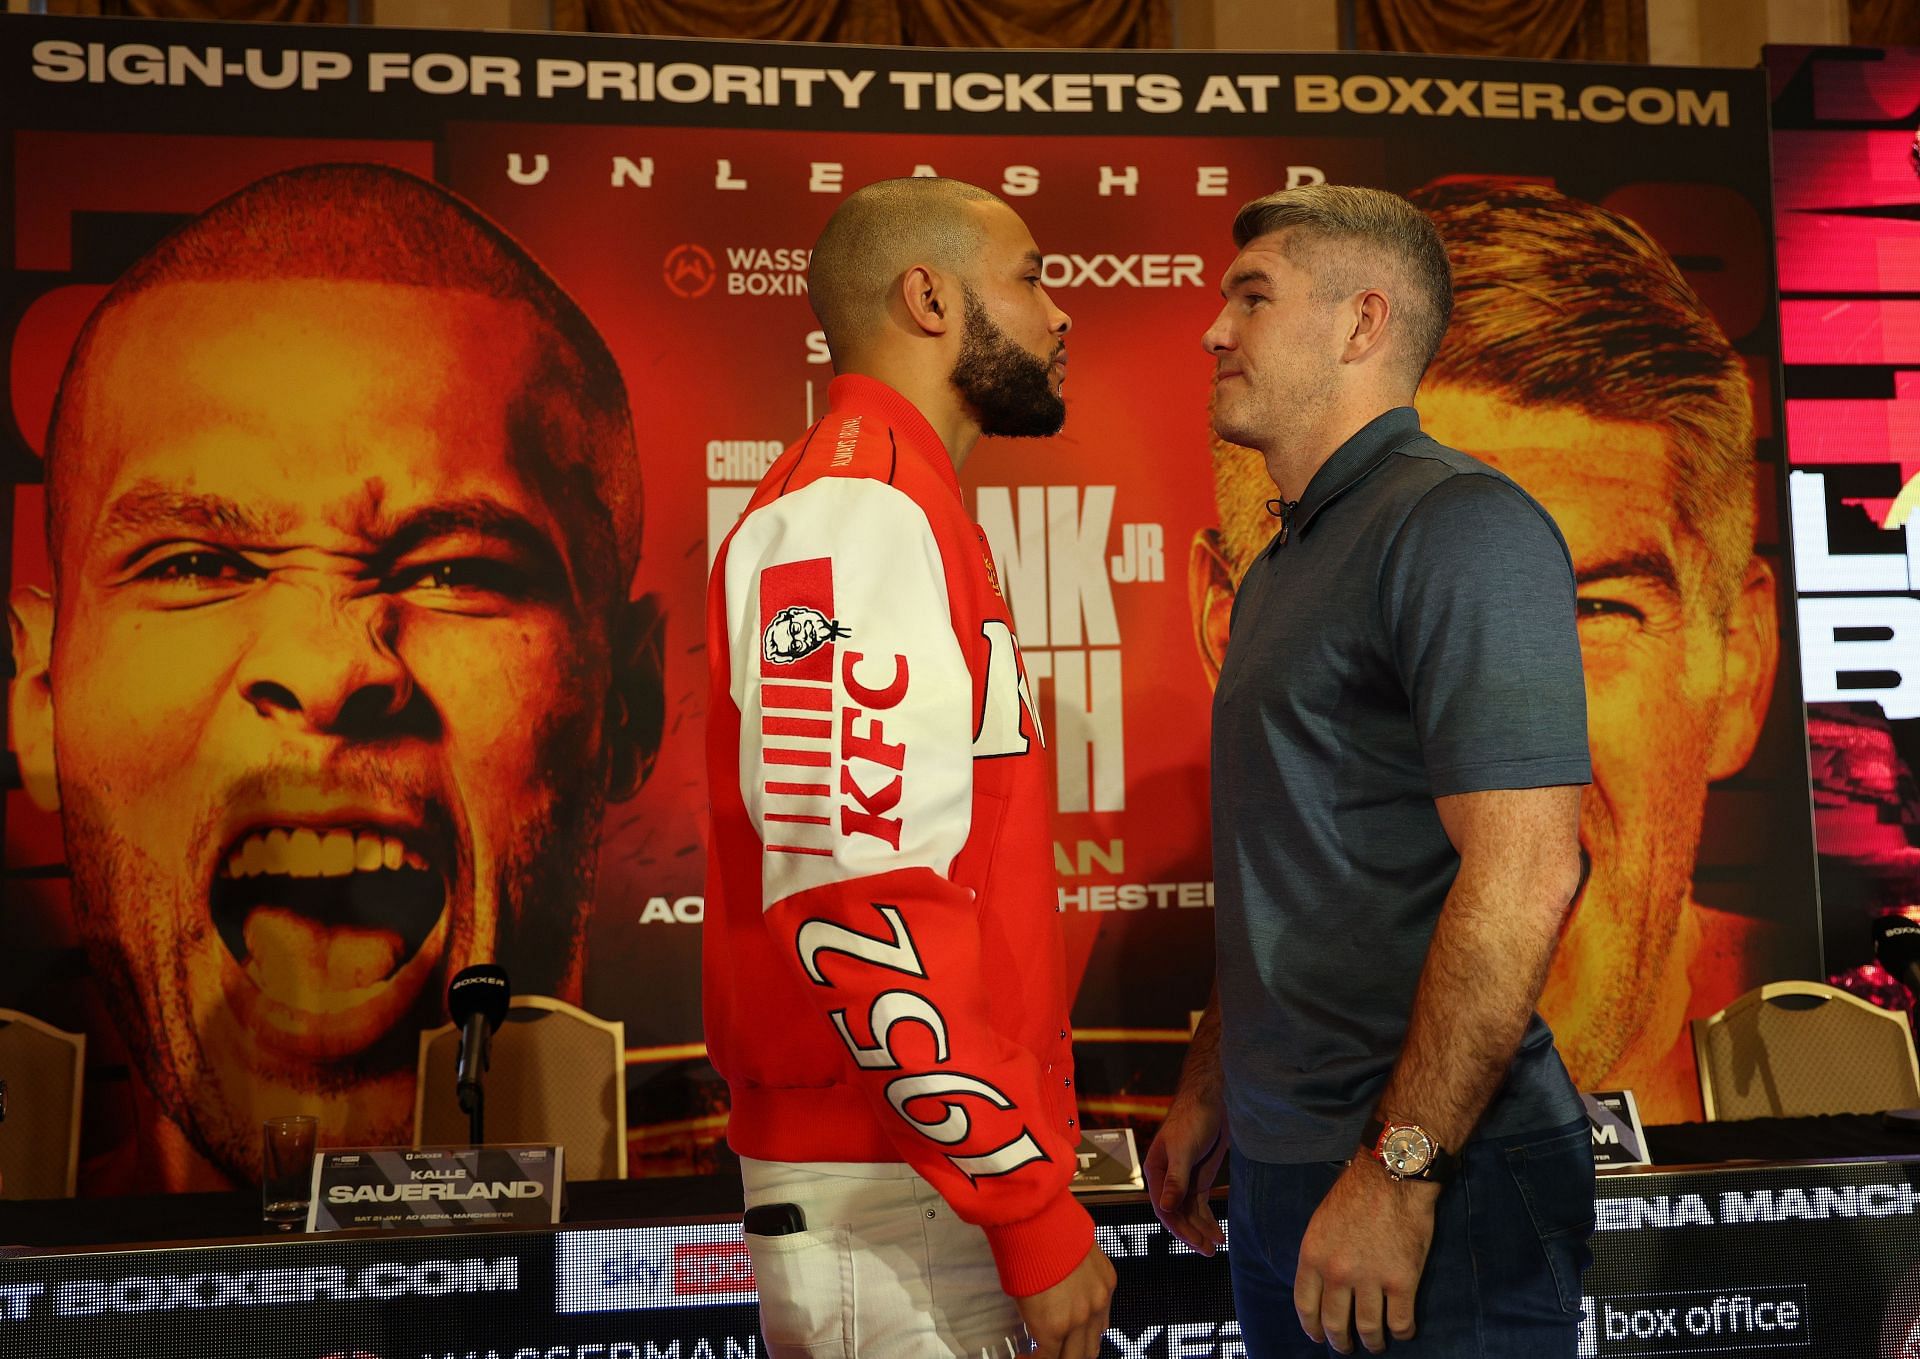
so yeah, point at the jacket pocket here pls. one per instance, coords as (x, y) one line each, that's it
(804, 1281)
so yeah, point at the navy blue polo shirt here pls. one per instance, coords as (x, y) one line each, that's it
(1410, 635)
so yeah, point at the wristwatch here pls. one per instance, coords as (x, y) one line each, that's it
(1408, 1151)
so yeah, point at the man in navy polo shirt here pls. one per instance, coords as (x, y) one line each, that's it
(1399, 743)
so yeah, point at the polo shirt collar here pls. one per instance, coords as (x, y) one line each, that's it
(1355, 458)
(858, 392)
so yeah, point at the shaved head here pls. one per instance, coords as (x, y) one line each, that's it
(874, 237)
(373, 224)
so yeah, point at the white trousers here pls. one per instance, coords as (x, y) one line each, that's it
(885, 1270)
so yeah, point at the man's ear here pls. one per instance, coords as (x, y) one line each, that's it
(637, 704)
(1753, 654)
(1366, 325)
(932, 300)
(1210, 590)
(30, 696)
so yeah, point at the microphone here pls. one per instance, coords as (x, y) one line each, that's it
(477, 1002)
(1896, 946)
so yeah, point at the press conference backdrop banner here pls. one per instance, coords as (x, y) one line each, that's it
(357, 550)
(1847, 204)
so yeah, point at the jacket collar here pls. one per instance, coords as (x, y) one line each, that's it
(856, 392)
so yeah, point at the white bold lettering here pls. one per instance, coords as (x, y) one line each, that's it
(888, 1009)
(939, 1085)
(998, 731)
(823, 936)
(1022, 1150)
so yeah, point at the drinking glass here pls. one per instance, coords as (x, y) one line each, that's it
(286, 1169)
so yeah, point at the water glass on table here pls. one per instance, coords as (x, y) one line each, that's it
(286, 1169)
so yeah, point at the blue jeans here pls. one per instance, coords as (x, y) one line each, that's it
(1503, 1276)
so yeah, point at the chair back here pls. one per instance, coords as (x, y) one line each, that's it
(1791, 1049)
(555, 1074)
(44, 1069)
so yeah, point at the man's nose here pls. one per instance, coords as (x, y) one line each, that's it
(325, 660)
(1217, 339)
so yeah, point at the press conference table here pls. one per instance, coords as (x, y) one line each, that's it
(45, 1223)
(57, 1223)
(1813, 1253)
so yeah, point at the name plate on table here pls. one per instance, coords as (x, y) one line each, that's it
(1108, 1162)
(1618, 1139)
(435, 1187)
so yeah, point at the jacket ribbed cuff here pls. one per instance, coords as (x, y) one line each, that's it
(1034, 1255)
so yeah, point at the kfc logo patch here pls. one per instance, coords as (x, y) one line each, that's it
(798, 628)
(796, 632)
(831, 771)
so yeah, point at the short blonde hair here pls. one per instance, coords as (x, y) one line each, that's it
(1389, 227)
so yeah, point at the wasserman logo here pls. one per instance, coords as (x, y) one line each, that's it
(689, 271)
(757, 271)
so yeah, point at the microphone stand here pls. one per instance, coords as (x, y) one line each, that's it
(477, 1001)
(473, 1096)
(473, 1103)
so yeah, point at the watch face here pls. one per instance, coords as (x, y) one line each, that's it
(1406, 1151)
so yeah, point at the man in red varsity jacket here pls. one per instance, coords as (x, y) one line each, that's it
(885, 988)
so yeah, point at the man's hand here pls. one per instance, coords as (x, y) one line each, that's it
(1068, 1320)
(1181, 1166)
(1362, 1256)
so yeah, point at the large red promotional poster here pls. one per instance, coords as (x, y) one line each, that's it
(1847, 199)
(357, 624)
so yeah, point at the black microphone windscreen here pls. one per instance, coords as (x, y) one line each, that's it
(1896, 943)
(481, 989)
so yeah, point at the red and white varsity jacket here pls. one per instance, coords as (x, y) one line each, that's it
(884, 970)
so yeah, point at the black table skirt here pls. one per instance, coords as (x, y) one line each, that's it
(1830, 1137)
